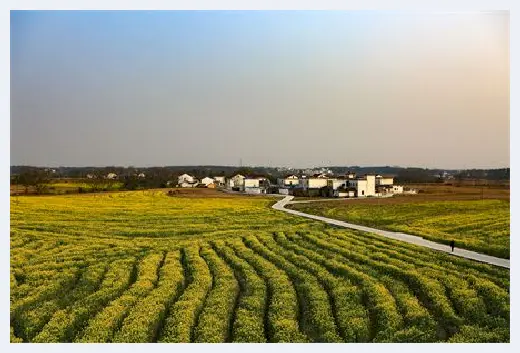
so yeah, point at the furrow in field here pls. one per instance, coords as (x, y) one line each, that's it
(182, 317)
(350, 316)
(62, 283)
(384, 316)
(417, 255)
(34, 320)
(316, 312)
(66, 323)
(430, 292)
(412, 311)
(145, 319)
(215, 319)
(283, 304)
(102, 327)
(464, 300)
(250, 316)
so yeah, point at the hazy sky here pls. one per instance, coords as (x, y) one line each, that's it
(271, 88)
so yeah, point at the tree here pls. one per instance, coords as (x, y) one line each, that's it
(34, 177)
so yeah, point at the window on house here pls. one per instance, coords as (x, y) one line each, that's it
(363, 192)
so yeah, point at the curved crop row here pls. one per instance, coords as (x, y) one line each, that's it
(50, 290)
(143, 322)
(182, 317)
(415, 255)
(350, 314)
(215, 319)
(495, 298)
(32, 321)
(248, 324)
(101, 328)
(429, 291)
(465, 300)
(419, 324)
(283, 309)
(317, 318)
(65, 324)
(385, 317)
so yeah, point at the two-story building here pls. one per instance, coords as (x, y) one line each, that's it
(236, 182)
(289, 181)
(256, 185)
(316, 181)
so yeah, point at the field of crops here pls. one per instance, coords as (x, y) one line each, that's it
(58, 188)
(145, 267)
(481, 225)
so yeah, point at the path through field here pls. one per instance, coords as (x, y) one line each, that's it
(280, 205)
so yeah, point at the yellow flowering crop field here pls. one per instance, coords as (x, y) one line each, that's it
(144, 267)
(479, 225)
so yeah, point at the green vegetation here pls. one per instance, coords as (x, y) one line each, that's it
(481, 226)
(145, 267)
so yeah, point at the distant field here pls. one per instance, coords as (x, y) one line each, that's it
(63, 188)
(476, 225)
(145, 267)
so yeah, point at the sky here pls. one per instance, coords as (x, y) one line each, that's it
(268, 88)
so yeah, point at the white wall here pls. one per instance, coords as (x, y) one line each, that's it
(206, 181)
(361, 188)
(397, 189)
(288, 181)
(251, 183)
(384, 181)
(185, 178)
(316, 183)
(371, 185)
(336, 183)
(238, 180)
(220, 179)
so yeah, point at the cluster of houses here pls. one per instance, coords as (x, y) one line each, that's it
(348, 185)
(188, 181)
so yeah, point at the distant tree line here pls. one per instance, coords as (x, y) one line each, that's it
(133, 178)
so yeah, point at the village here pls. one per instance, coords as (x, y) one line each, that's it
(321, 184)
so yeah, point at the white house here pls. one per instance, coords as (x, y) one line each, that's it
(236, 181)
(336, 183)
(111, 176)
(316, 181)
(409, 191)
(289, 180)
(256, 185)
(397, 189)
(141, 175)
(207, 180)
(185, 178)
(365, 186)
(384, 180)
(220, 180)
(187, 181)
(342, 192)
